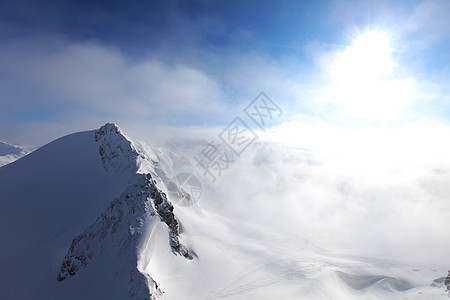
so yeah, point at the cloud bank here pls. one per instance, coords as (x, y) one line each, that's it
(376, 192)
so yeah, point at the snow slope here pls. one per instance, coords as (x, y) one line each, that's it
(88, 216)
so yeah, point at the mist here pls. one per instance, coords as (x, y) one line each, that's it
(378, 192)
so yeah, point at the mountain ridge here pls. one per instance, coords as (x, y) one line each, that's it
(124, 219)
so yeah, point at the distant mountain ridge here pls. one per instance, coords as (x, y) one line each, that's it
(10, 153)
(7, 149)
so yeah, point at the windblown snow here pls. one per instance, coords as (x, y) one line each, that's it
(89, 216)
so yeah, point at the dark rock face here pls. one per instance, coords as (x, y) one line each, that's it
(165, 212)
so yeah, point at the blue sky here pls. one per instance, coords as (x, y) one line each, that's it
(139, 27)
(74, 65)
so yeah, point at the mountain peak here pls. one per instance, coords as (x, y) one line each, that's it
(118, 232)
(110, 127)
(115, 149)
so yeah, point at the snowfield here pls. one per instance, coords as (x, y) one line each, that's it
(89, 216)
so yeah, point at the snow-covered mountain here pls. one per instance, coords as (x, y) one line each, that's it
(90, 216)
(96, 192)
(10, 153)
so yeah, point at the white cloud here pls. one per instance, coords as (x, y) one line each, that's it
(55, 75)
(371, 191)
(78, 86)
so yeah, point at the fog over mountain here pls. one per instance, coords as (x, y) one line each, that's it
(97, 214)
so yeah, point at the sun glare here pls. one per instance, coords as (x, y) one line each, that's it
(368, 58)
(364, 83)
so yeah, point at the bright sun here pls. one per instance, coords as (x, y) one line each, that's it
(368, 58)
(364, 84)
